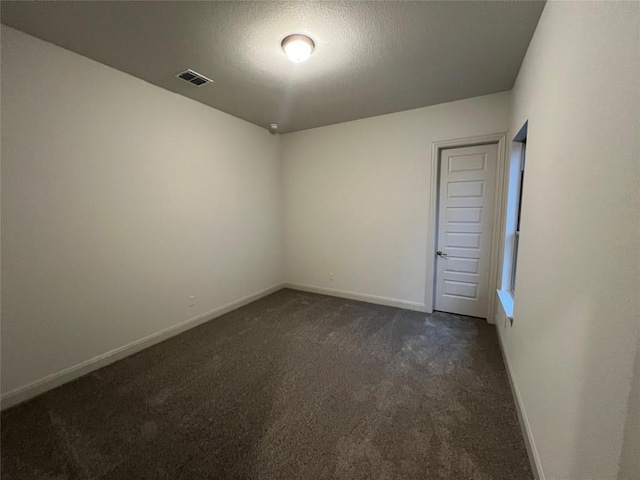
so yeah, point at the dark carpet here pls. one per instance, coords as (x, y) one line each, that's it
(293, 386)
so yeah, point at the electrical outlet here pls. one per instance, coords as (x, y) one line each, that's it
(192, 301)
(331, 276)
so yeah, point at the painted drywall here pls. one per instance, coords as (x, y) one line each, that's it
(356, 198)
(574, 337)
(119, 201)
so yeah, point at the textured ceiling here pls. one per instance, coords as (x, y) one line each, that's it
(371, 58)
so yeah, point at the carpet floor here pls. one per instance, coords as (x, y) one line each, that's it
(292, 386)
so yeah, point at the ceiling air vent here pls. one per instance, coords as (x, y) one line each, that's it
(194, 77)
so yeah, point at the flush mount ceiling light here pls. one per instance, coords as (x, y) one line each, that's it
(298, 47)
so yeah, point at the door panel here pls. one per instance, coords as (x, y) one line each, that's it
(468, 189)
(465, 216)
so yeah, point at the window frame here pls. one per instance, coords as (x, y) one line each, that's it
(516, 234)
(514, 183)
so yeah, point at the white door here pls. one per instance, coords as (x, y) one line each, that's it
(465, 215)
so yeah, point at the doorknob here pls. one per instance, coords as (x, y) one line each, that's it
(440, 254)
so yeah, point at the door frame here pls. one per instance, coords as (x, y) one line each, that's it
(499, 139)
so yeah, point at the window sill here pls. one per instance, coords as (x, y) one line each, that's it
(506, 299)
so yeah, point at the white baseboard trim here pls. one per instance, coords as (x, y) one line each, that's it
(363, 297)
(532, 451)
(54, 380)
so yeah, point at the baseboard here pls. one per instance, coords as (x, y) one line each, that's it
(534, 458)
(54, 380)
(363, 297)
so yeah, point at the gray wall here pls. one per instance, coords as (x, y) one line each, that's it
(575, 332)
(119, 201)
(357, 198)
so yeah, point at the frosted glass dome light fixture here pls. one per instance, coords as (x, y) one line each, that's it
(298, 47)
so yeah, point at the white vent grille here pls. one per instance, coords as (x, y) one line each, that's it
(194, 78)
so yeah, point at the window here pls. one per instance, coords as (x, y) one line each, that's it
(516, 234)
(513, 221)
